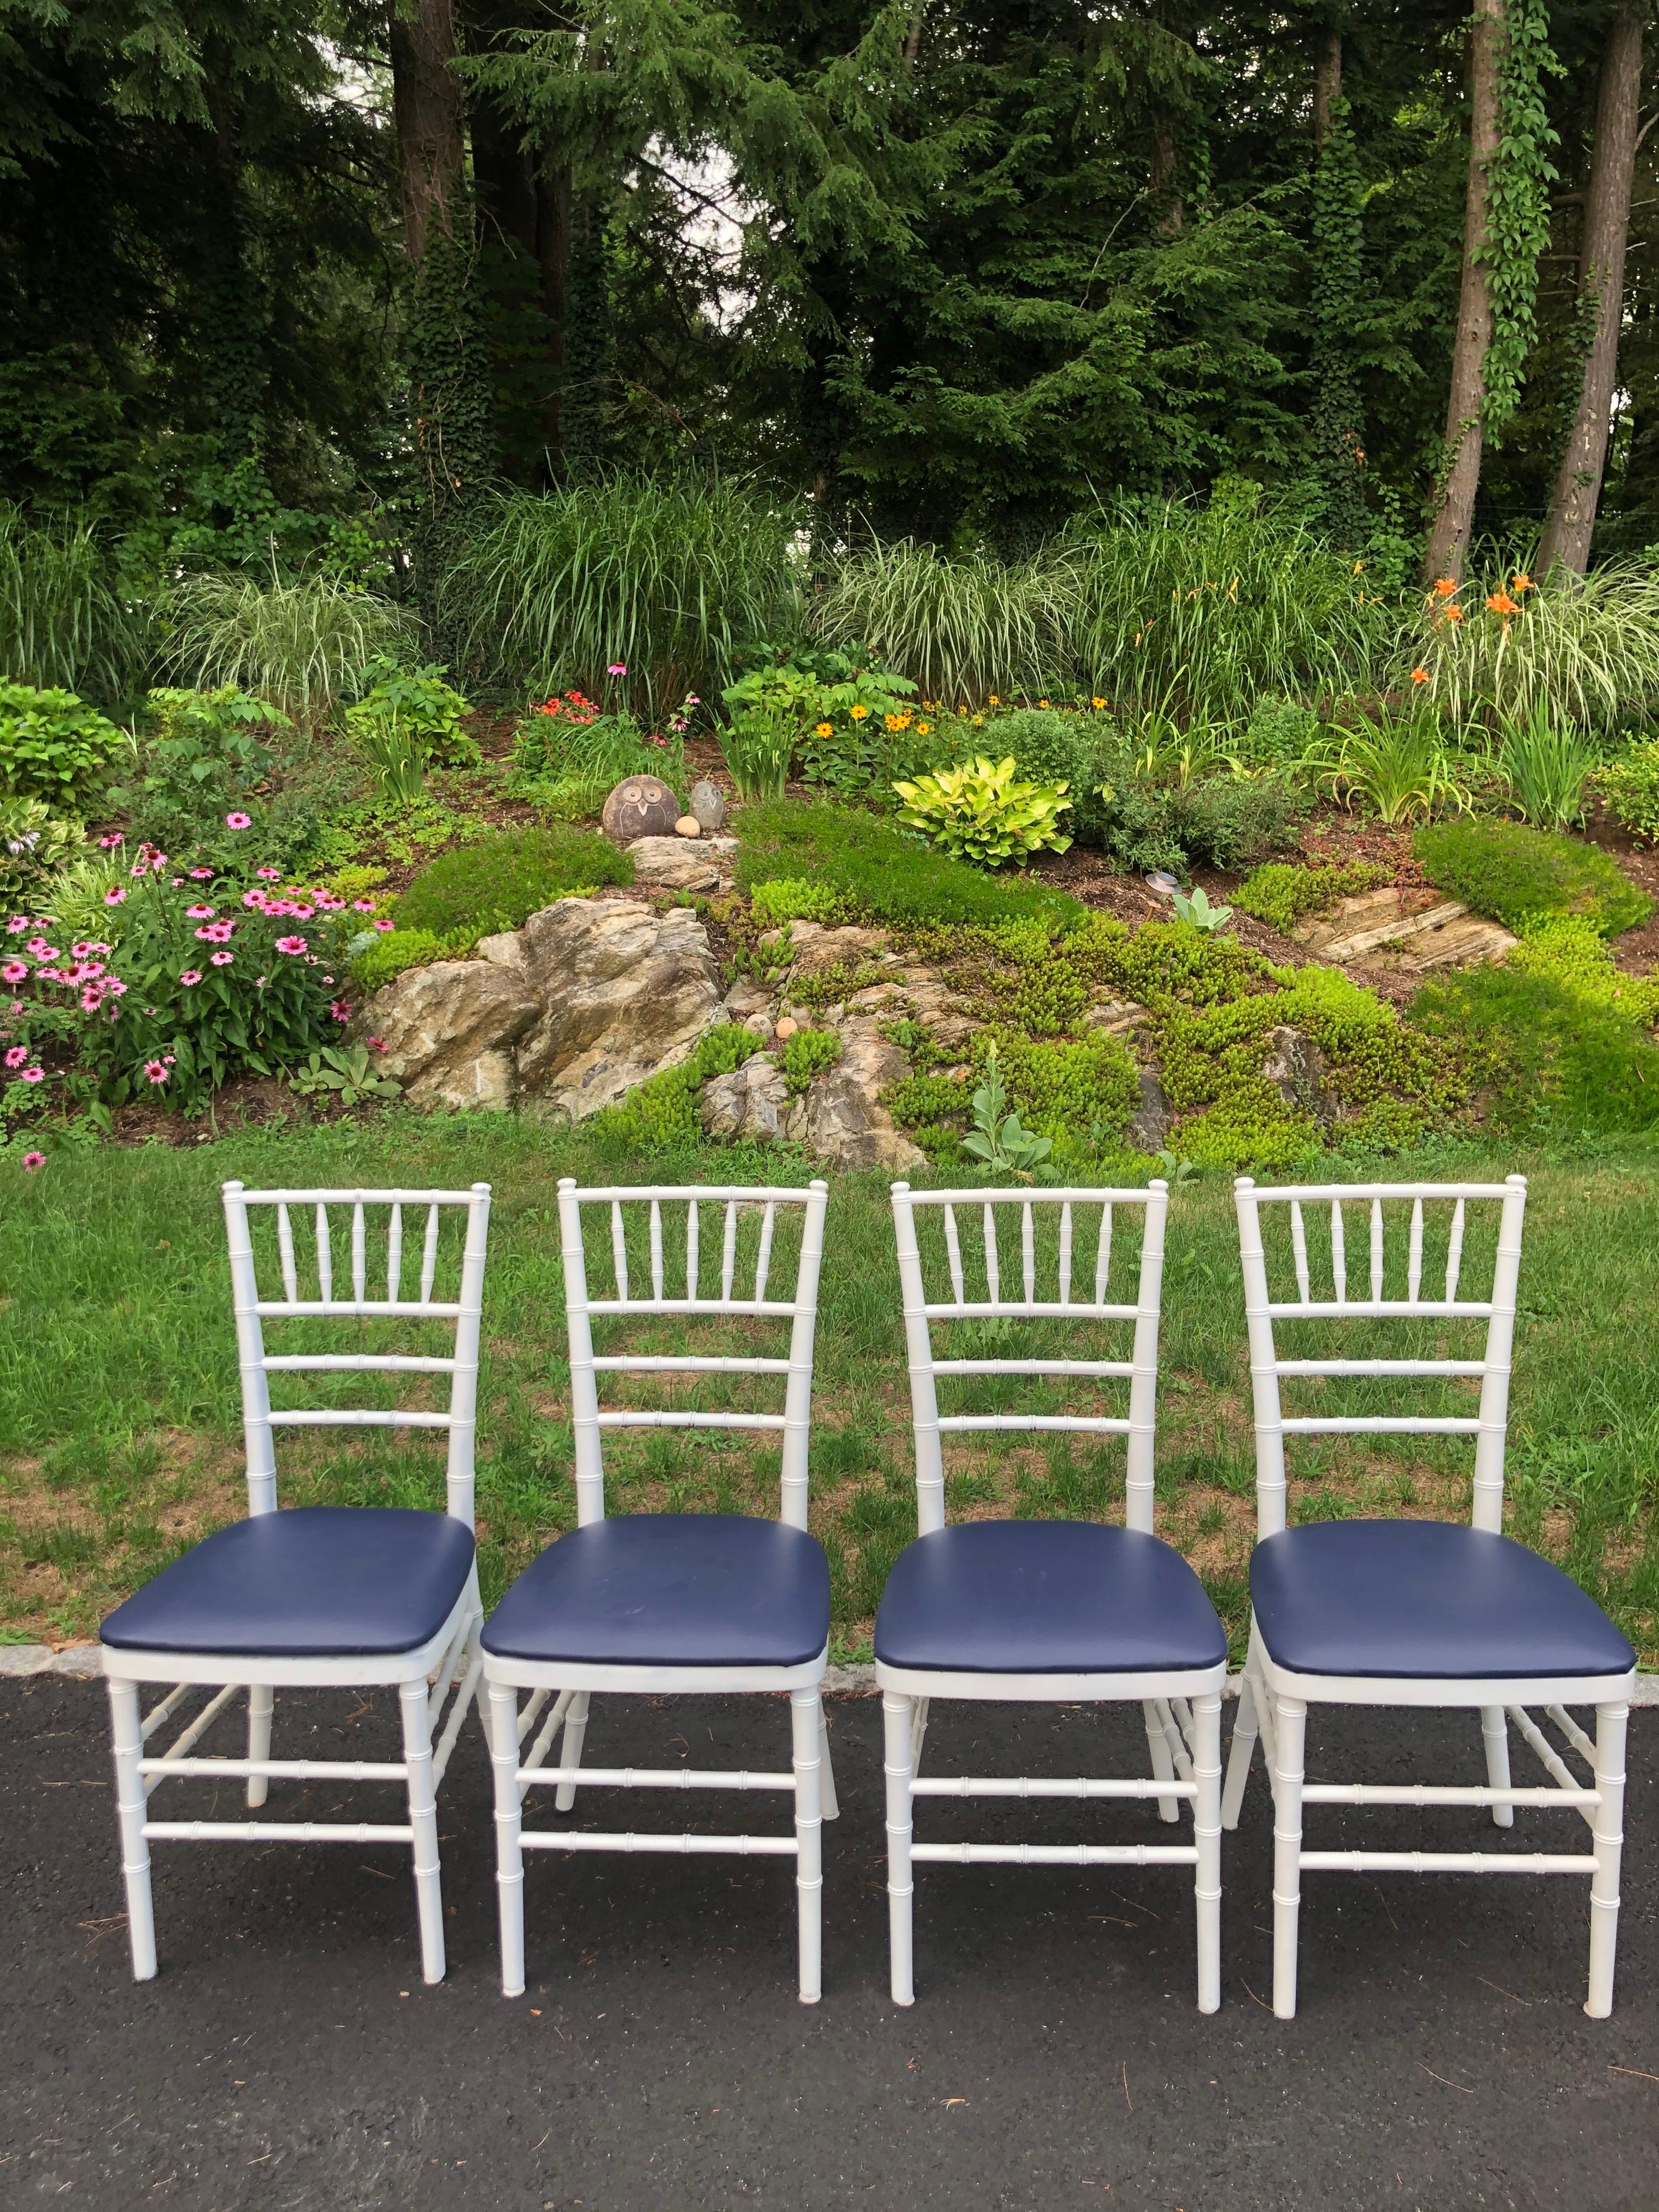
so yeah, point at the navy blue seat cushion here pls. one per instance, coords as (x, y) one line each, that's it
(1045, 1597)
(1422, 1600)
(315, 1582)
(669, 1589)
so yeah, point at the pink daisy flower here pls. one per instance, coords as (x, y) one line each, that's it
(340, 1010)
(238, 821)
(111, 842)
(291, 944)
(191, 977)
(113, 988)
(200, 875)
(31, 1161)
(385, 923)
(268, 875)
(222, 959)
(17, 925)
(17, 1055)
(15, 971)
(156, 1072)
(114, 896)
(34, 1075)
(199, 913)
(358, 905)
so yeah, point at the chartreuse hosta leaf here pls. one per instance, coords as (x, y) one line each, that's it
(980, 811)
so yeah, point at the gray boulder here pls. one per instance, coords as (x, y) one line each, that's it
(751, 1101)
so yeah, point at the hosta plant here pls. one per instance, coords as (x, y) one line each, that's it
(33, 843)
(54, 746)
(981, 813)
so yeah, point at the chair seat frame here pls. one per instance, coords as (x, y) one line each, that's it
(1274, 1699)
(561, 1688)
(1180, 1707)
(436, 1680)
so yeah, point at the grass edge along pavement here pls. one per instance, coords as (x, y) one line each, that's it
(118, 1393)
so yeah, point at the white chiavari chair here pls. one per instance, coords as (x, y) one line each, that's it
(1053, 1610)
(670, 1603)
(318, 1596)
(1414, 1614)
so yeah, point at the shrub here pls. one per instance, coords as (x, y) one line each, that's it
(304, 643)
(201, 755)
(54, 747)
(1555, 1034)
(1281, 732)
(499, 883)
(1631, 785)
(569, 756)
(979, 812)
(1282, 896)
(807, 1053)
(405, 719)
(662, 1112)
(1515, 875)
(34, 842)
(215, 981)
(1215, 822)
(881, 872)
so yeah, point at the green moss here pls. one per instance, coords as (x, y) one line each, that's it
(881, 873)
(1556, 1035)
(795, 900)
(1515, 875)
(1282, 896)
(662, 1114)
(399, 949)
(500, 883)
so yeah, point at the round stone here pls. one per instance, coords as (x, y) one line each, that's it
(786, 1027)
(640, 807)
(688, 826)
(760, 1025)
(708, 806)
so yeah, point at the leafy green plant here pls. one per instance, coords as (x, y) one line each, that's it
(54, 747)
(377, 958)
(758, 747)
(807, 1053)
(406, 718)
(347, 1073)
(844, 713)
(34, 843)
(659, 577)
(1283, 896)
(1223, 821)
(996, 1137)
(796, 900)
(883, 873)
(981, 813)
(1631, 787)
(1546, 764)
(1197, 912)
(1515, 875)
(569, 757)
(1399, 768)
(201, 755)
(64, 624)
(303, 642)
(500, 882)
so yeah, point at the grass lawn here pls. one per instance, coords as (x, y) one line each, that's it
(119, 1420)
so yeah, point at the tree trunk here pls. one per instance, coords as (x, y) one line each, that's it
(427, 108)
(1165, 198)
(1571, 517)
(1328, 85)
(1448, 532)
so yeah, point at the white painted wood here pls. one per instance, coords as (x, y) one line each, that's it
(1273, 1701)
(443, 1671)
(809, 1780)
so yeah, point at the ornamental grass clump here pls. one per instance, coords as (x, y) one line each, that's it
(983, 813)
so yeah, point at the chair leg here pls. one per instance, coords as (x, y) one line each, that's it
(896, 1709)
(261, 1700)
(1291, 1717)
(423, 1820)
(509, 1850)
(126, 1716)
(575, 1727)
(830, 1803)
(1610, 1725)
(1243, 1748)
(1495, 1729)
(1207, 1834)
(1163, 1765)
(807, 1721)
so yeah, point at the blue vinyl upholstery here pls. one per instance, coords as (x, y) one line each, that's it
(1045, 1597)
(1421, 1601)
(669, 1589)
(315, 1582)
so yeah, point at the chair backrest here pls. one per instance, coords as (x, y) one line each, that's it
(644, 1207)
(1073, 1240)
(362, 1303)
(1488, 1427)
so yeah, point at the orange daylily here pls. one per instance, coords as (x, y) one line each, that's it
(1522, 582)
(1454, 614)
(1419, 676)
(1500, 603)
(1445, 586)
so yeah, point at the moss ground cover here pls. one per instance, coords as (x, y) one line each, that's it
(118, 1408)
(1515, 875)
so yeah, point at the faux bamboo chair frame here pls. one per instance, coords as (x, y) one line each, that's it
(561, 1690)
(1182, 1710)
(1274, 1700)
(436, 1681)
